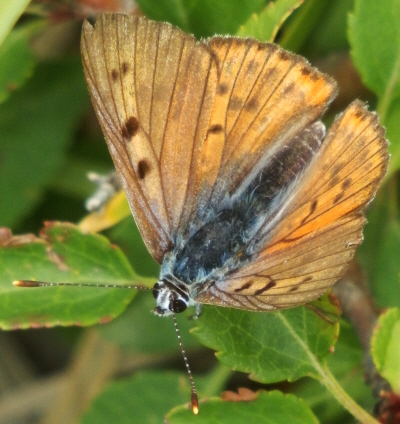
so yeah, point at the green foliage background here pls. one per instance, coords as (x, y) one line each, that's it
(49, 140)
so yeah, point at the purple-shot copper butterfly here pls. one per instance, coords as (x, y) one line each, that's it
(236, 187)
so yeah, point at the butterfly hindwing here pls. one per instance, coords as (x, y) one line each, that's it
(309, 248)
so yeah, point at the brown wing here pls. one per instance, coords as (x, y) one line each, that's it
(313, 242)
(152, 88)
(265, 97)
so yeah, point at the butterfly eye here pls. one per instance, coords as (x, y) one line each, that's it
(177, 306)
(156, 290)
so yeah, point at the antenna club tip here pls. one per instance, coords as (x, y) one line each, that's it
(25, 283)
(195, 404)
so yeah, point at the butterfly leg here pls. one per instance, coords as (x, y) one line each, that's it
(198, 312)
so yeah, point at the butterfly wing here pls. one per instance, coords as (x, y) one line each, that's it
(152, 87)
(186, 122)
(314, 238)
(265, 96)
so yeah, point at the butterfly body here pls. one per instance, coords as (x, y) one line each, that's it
(230, 236)
(234, 184)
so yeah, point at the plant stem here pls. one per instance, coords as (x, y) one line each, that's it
(387, 98)
(216, 380)
(329, 381)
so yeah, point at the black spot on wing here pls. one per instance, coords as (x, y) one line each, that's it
(270, 74)
(244, 287)
(346, 183)
(143, 169)
(131, 127)
(338, 197)
(283, 55)
(222, 89)
(215, 129)
(268, 286)
(114, 75)
(313, 206)
(251, 66)
(252, 105)
(125, 68)
(359, 113)
(305, 71)
(314, 76)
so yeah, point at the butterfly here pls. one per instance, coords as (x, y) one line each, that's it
(236, 187)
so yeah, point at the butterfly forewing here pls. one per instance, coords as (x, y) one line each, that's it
(272, 96)
(259, 107)
(108, 53)
(152, 87)
(310, 247)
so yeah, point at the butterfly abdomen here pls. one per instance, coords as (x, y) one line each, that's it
(215, 243)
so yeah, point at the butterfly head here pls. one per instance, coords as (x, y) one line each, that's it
(169, 298)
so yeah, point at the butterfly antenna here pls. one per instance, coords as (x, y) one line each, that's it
(32, 283)
(194, 400)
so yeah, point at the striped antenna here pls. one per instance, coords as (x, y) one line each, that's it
(194, 400)
(32, 283)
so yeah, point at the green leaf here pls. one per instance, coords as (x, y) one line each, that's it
(126, 235)
(145, 398)
(380, 250)
(36, 124)
(392, 123)
(61, 254)
(385, 347)
(10, 11)
(374, 35)
(175, 12)
(301, 24)
(16, 59)
(329, 31)
(386, 284)
(203, 18)
(272, 346)
(269, 407)
(346, 363)
(265, 26)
